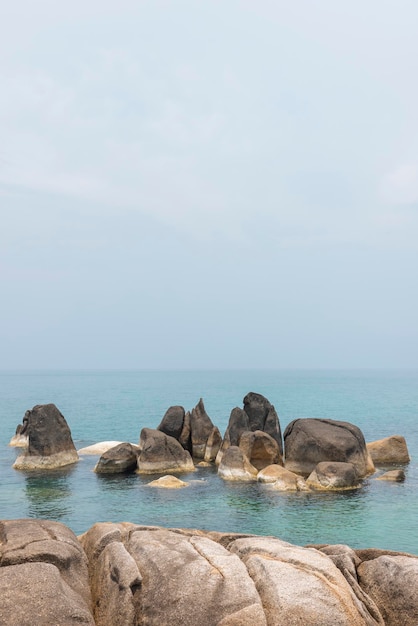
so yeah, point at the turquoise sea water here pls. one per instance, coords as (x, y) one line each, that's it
(115, 405)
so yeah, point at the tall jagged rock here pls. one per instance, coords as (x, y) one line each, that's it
(50, 444)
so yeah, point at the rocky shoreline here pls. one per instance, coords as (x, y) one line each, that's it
(129, 575)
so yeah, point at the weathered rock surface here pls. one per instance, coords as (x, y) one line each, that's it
(310, 441)
(389, 451)
(130, 575)
(281, 479)
(153, 576)
(176, 423)
(120, 459)
(43, 575)
(392, 583)
(262, 416)
(159, 453)
(235, 466)
(333, 476)
(260, 449)
(299, 585)
(50, 442)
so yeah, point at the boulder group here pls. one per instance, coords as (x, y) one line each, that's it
(313, 454)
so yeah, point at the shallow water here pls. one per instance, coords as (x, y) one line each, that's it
(116, 405)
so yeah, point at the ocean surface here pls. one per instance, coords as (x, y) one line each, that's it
(116, 405)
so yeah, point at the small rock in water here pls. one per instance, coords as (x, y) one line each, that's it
(168, 482)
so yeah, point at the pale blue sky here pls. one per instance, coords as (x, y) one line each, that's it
(208, 184)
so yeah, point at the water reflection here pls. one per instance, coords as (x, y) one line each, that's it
(49, 493)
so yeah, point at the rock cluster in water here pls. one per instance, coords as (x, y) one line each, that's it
(312, 454)
(122, 574)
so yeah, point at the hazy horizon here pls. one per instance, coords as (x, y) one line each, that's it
(208, 185)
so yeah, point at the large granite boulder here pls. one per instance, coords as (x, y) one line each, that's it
(43, 575)
(310, 441)
(281, 479)
(300, 585)
(159, 453)
(260, 449)
(154, 576)
(235, 465)
(389, 451)
(120, 459)
(262, 416)
(333, 476)
(50, 442)
(392, 583)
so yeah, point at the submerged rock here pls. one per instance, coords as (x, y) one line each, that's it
(98, 448)
(50, 442)
(168, 482)
(310, 441)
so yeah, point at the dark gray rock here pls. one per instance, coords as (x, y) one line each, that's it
(262, 416)
(173, 422)
(50, 444)
(119, 459)
(201, 427)
(310, 441)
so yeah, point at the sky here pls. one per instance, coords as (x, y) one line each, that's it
(208, 184)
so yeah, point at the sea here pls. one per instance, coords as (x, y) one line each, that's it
(115, 405)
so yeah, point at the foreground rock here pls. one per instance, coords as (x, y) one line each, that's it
(130, 575)
(120, 459)
(310, 441)
(43, 575)
(392, 583)
(154, 576)
(389, 451)
(159, 453)
(50, 444)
